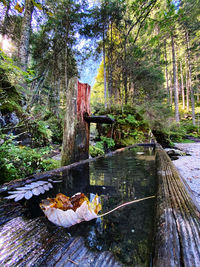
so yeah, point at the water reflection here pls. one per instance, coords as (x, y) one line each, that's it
(123, 177)
(128, 231)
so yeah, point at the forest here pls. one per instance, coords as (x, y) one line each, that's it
(147, 81)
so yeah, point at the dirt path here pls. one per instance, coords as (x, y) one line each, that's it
(189, 167)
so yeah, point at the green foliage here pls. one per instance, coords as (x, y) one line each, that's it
(107, 142)
(102, 146)
(129, 128)
(186, 128)
(11, 78)
(14, 73)
(44, 130)
(95, 151)
(131, 120)
(17, 162)
(56, 128)
(47, 128)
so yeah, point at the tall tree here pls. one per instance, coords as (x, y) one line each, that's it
(25, 34)
(190, 76)
(176, 102)
(182, 86)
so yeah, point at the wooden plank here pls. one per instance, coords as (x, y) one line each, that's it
(177, 241)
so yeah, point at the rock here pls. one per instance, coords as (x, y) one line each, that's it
(174, 152)
(2, 120)
(1, 141)
(24, 139)
(11, 118)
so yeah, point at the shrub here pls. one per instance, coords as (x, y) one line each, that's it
(18, 161)
(95, 151)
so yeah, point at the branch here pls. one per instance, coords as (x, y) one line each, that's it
(143, 22)
(152, 3)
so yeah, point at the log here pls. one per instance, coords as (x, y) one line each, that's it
(98, 119)
(177, 240)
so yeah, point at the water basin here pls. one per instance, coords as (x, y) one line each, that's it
(127, 233)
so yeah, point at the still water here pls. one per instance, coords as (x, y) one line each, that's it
(127, 232)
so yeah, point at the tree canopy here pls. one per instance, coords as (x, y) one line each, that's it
(149, 51)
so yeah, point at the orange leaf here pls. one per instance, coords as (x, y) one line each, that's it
(19, 8)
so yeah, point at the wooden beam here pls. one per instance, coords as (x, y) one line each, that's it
(98, 119)
(177, 241)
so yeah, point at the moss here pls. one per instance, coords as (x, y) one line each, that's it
(10, 99)
(129, 127)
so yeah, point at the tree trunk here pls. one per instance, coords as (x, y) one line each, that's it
(175, 81)
(125, 76)
(75, 145)
(171, 90)
(166, 72)
(182, 86)
(104, 71)
(6, 19)
(190, 77)
(196, 77)
(187, 86)
(110, 68)
(25, 34)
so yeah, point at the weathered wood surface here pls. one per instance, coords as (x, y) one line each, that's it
(177, 241)
(29, 240)
(36, 242)
(98, 119)
(76, 130)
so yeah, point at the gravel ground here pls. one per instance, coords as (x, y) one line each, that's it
(189, 167)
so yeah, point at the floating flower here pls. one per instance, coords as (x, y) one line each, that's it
(65, 211)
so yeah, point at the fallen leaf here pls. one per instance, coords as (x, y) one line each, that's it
(65, 211)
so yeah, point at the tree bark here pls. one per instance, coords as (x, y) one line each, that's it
(175, 81)
(190, 77)
(110, 67)
(187, 86)
(166, 72)
(196, 76)
(125, 76)
(6, 19)
(104, 70)
(171, 90)
(75, 145)
(25, 34)
(182, 86)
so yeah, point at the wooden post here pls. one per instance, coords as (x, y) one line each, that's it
(76, 130)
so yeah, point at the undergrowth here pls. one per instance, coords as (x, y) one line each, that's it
(17, 162)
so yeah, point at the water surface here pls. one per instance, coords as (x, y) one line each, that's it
(127, 232)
